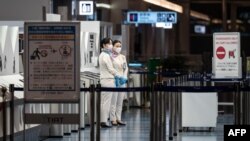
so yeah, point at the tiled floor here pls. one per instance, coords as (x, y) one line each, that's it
(138, 128)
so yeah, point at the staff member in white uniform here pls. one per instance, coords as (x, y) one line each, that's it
(120, 65)
(107, 74)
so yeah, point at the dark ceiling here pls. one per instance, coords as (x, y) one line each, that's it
(213, 8)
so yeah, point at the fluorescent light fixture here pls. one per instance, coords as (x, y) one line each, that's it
(237, 21)
(166, 4)
(103, 5)
(218, 21)
(199, 15)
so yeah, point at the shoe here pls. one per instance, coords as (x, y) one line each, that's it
(114, 123)
(121, 122)
(104, 125)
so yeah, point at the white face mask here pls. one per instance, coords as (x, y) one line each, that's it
(118, 50)
(110, 47)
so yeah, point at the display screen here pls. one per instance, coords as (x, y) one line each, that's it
(200, 29)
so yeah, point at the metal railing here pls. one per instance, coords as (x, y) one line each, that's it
(165, 103)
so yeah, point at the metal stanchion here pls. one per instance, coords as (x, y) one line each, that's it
(24, 120)
(158, 113)
(162, 114)
(11, 89)
(141, 93)
(79, 124)
(92, 112)
(241, 105)
(82, 106)
(247, 108)
(98, 113)
(170, 122)
(153, 114)
(165, 114)
(236, 103)
(4, 90)
(175, 106)
(145, 92)
(244, 108)
(182, 79)
(157, 109)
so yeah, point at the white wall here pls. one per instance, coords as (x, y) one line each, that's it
(9, 56)
(23, 9)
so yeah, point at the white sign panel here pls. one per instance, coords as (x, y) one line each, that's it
(86, 8)
(199, 109)
(52, 66)
(164, 25)
(226, 55)
(151, 17)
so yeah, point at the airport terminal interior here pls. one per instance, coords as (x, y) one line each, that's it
(124, 70)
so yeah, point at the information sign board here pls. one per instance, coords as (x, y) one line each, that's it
(226, 55)
(52, 61)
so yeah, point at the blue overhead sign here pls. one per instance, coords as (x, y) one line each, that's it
(148, 17)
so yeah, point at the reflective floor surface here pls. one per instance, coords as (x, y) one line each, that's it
(138, 129)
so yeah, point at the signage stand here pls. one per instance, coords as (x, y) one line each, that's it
(227, 61)
(52, 70)
(227, 65)
(51, 118)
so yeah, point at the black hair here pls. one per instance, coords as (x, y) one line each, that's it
(116, 41)
(105, 41)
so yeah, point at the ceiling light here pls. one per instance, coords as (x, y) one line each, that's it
(216, 21)
(199, 15)
(166, 4)
(103, 5)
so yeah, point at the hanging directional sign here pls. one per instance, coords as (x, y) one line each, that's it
(86, 8)
(148, 17)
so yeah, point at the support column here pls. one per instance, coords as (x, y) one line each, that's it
(184, 34)
(233, 17)
(224, 15)
(116, 18)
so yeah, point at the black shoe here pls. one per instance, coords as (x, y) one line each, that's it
(121, 123)
(104, 125)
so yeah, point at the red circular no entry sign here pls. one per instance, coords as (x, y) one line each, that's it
(220, 52)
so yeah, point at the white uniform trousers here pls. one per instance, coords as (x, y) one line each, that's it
(106, 99)
(116, 105)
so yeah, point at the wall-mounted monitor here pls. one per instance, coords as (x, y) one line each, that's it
(201, 29)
